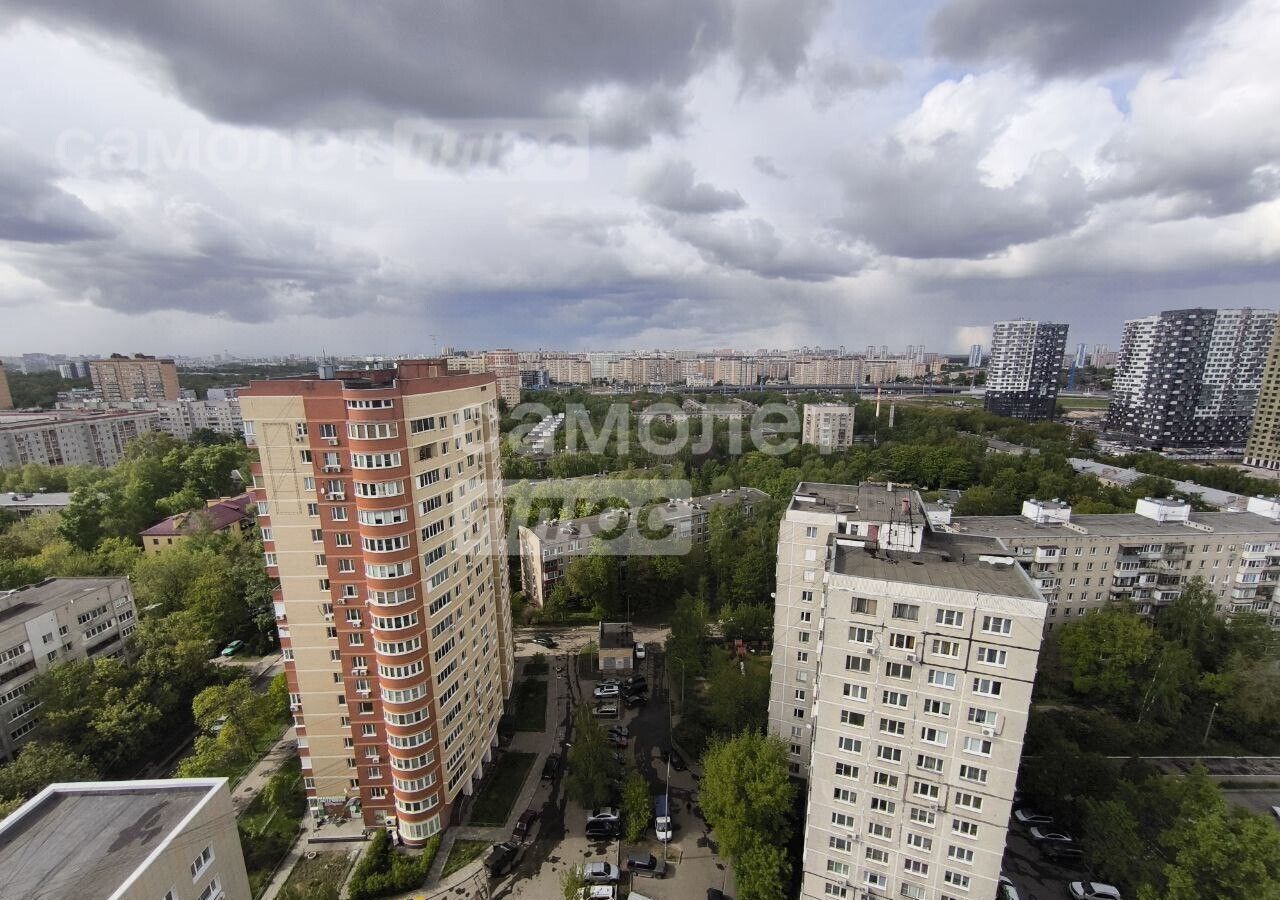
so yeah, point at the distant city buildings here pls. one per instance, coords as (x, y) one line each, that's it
(51, 622)
(975, 356)
(828, 425)
(1263, 448)
(6, 397)
(71, 438)
(1190, 377)
(1081, 357)
(1022, 372)
(170, 839)
(137, 377)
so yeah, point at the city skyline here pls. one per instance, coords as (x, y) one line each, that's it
(794, 175)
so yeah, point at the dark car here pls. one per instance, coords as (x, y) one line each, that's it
(1065, 854)
(524, 824)
(635, 683)
(551, 768)
(646, 864)
(716, 894)
(633, 700)
(545, 640)
(676, 762)
(602, 830)
(501, 858)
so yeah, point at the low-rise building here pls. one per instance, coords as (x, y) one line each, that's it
(66, 438)
(54, 621)
(547, 548)
(26, 503)
(170, 839)
(616, 647)
(226, 515)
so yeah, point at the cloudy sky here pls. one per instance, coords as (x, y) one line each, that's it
(289, 175)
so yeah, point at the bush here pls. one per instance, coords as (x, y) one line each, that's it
(383, 871)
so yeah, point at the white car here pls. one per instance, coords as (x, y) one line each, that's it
(603, 814)
(1093, 890)
(639, 649)
(607, 692)
(600, 873)
(1005, 889)
(599, 892)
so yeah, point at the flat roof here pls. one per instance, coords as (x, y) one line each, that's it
(50, 499)
(672, 510)
(50, 594)
(944, 561)
(1116, 525)
(615, 635)
(87, 840)
(867, 502)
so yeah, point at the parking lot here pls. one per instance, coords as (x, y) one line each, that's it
(1035, 877)
(1261, 802)
(560, 842)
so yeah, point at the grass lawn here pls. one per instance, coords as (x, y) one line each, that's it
(499, 793)
(1083, 402)
(462, 853)
(270, 825)
(319, 877)
(531, 705)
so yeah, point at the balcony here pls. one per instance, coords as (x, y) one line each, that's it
(1048, 554)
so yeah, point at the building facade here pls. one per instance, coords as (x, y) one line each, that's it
(1263, 448)
(380, 502)
(1023, 368)
(65, 438)
(137, 377)
(567, 369)
(975, 356)
(181, 418)
(171, 839)
(54, 621)
(227, 515)
(902, 671)
(828, 425)
(1190, 377)
(6, 396)
(547, 548)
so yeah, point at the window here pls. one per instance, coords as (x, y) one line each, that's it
(908, 611)
(880, 830)
(211, 891)
(846, 770)
(896, 698)
(977, 746)
(883, 805)
(937, 707)
(946, 648)
(956, 879)
(897, 670)
(848, 744)
(979, 716)
(835, 890)
(849, 717)
(201, 862)
(950, 618)
(855, 691)
(806, 596)
(844, 795)
(857, 663)
(860, 635)
(960, 854)
(893, 726)
(931, 735)
(974, 774)
(991, 656)
(929, 763)
(997, 625)
(915, 866)
(925, 817)
(864, 606)
(968, 801)
(925, 790)
(967, 829)
(889, 754)
(417, 426)
(838, 868)
(944, 680)
(987, 687)
(900, 641)
(842, 820)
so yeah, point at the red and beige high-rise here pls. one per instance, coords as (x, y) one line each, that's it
(380, 502)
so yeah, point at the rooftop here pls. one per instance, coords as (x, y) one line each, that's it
(868, 501)
(944, 561)
(216, 516)
(46, 500)
(51, 593)
(1114, 525)
(87, 840)
(671, 511)
(15, 421)
(1125, 477)
(615, 635)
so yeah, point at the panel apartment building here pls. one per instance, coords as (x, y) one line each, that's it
(63, 438)
(547, 548)
(1263, 448)
(54, 621)
(828, 425)
(172, 839)
(1190, 377)
(379, 497)
(1023, 367)
(137, 377)
(902, 672)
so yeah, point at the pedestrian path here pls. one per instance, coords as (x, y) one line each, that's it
(251, 784)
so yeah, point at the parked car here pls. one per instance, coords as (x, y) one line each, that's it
(599, 892)
(619, 731)
(545, 640)
(635, 684)
(501, 858)
(1093, 890)
(606, 711)
(602, 831)
(600, 873)
(716, 894)
(1042, 835)
(677, 762)
(524, 824)
(1005, 889)
(607, 692)
(233, 648)
(1029, 817)
(551, 768)
(634, 700)
(646, 864)
(604, 814)
(639, 649)
(661, 818)
(1063, 854)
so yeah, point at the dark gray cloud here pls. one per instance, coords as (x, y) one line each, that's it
(33, 209)
(937, 204)
(833, 77)
(290, 63)
(754, 245)
(670, 185)
(766, 166)
(1065, 37)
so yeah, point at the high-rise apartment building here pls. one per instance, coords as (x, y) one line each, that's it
(975, 356)
(828, 425)
(505, 365)
(6, 397)
(1081, 357)
(902, 671)
(1023, 368)
(1190, 377)
(380, 501)
(137, 377)
(1263, 449)
(66, 438)
(54, 621)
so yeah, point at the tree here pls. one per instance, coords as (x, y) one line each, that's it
(1104, 650)
(591, 763)
(39, 764)
(762, 871)
(572, 883)
(737, 697)
(1227, 854)
(1192, 621)
(687, 644)
(635, 806)
(746, 793)
(1113, 843)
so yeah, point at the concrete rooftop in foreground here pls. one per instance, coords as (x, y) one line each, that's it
(85, 840)
(944, 561)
